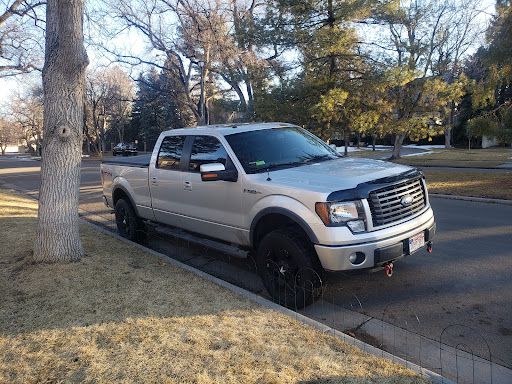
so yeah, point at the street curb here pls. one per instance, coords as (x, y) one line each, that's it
(473, 199)
(425, 373)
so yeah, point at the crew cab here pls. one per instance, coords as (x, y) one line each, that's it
(279, 191)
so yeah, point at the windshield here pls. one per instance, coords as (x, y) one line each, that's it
(278, 147)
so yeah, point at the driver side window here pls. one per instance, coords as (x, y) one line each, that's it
(206, 150)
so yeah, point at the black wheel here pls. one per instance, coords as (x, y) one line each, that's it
(114, 153)
(128, 224)
(289, 268)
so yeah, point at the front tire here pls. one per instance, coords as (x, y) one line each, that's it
(128, 224)
(290, 270)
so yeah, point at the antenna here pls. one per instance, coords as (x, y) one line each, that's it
(268, 175)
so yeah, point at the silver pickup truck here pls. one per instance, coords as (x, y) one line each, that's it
(278, 190)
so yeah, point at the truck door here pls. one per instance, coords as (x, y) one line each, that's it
(215, 207)
(165, 181)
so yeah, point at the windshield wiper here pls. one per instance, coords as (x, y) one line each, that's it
(278, 165)
(318, 158)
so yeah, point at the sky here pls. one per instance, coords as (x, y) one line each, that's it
(18, 84)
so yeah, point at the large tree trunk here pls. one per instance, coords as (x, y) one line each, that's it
(397, 147)
(447, 137)
(57, 237)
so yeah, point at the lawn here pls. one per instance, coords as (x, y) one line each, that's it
(123, 315)
(455, 157)
(462, 183)
(474, 184)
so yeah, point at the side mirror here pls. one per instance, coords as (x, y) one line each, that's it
(217, 171)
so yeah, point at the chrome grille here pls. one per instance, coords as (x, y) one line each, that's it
(386, 206)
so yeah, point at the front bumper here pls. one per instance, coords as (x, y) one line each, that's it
(378, 253)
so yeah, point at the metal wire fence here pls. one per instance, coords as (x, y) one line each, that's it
(458, 353)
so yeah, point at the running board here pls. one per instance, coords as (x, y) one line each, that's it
(221, 247)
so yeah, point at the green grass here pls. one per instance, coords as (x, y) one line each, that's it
(122, 315)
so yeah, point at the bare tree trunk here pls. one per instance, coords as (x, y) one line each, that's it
(397, 147)
(448, 128)
(447, 137)
(57, 237)
(345, 140)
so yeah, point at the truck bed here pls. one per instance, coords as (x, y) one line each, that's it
(117, 172)
(140, 161)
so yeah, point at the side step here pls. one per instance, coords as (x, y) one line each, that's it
(221, 247)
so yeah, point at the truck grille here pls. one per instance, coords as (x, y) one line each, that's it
(386, 203)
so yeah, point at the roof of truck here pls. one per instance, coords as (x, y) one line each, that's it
(226, 129)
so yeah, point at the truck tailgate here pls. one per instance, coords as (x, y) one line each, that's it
(131, 176)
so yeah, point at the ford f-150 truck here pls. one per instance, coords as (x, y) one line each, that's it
(278, 190)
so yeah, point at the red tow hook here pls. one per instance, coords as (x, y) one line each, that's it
(429, 247)
(389, 269)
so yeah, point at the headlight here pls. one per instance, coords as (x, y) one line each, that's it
(349, 213)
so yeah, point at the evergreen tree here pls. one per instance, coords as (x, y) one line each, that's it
(492, 95)
(158, 107)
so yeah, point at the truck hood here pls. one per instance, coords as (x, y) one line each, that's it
(336, 175)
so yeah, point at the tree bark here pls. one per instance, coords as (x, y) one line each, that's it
(345, 140)
(447, 137)
(57, 237)
(397, 147)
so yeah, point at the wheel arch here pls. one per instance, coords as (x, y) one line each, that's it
(120, 192)
(274, 218)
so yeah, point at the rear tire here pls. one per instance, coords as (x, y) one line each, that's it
(129, 225)
(290, 270)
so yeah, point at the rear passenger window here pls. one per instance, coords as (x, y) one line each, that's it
(169, 155)
(206, 150)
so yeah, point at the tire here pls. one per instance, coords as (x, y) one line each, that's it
(114, 153)
(128, 224)
(289, 267)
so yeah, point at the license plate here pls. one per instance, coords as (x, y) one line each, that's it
(416, 242)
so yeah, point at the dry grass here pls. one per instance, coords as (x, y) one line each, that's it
(455, 157)
(368, 153)
(121, 315)
(475, 184)
(489, 157)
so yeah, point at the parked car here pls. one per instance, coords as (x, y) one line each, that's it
(124, 149)
(277, 190)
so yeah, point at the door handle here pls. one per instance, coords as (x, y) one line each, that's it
(187, 185)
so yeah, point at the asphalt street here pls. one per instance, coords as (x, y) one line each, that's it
(465, 280)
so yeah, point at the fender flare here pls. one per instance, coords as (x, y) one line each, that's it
(122, 188)
(284, 212)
